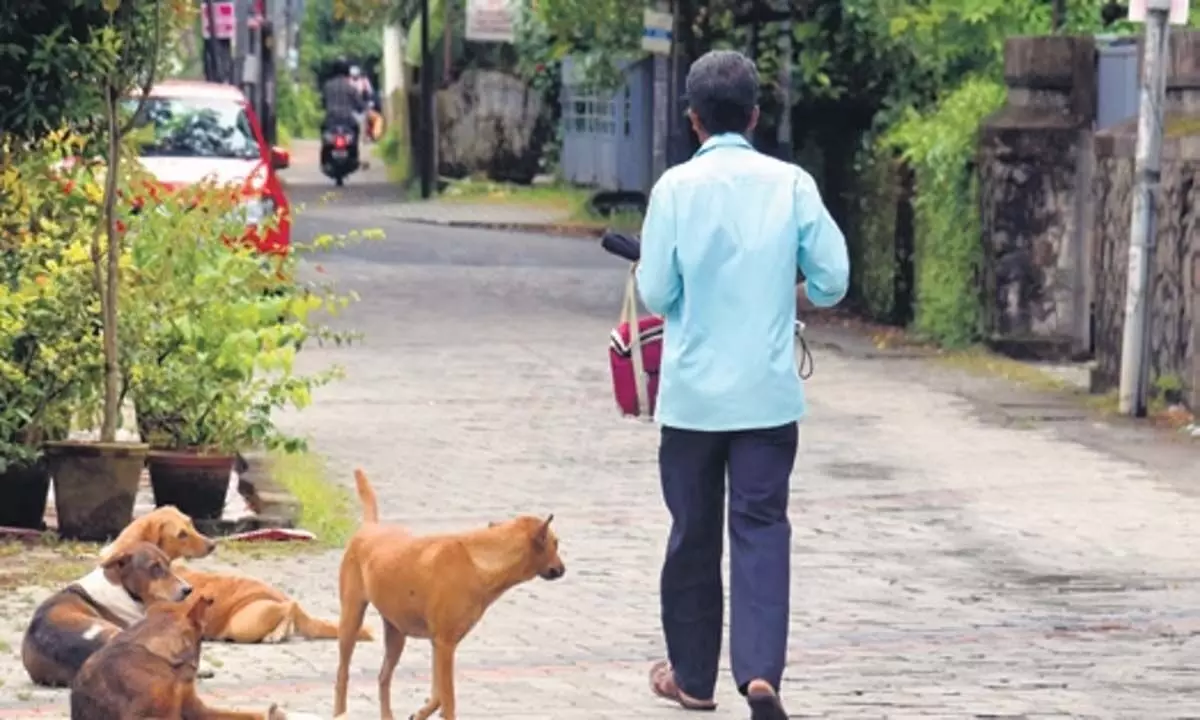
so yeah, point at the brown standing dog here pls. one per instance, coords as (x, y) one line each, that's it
(149, 671)
(78, 620)
(435, 587)
(245, 610)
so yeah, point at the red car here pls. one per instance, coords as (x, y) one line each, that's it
(208, 131)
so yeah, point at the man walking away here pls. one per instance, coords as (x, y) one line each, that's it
(723, 237)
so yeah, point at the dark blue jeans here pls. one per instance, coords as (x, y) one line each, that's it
(693, 467)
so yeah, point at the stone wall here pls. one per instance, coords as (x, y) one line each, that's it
(1035, 167)
(1175, 273)
(490, 123)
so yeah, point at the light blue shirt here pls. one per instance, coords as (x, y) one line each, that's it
(723, 236)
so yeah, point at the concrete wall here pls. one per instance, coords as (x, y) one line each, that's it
(1035, 167)
(1174, 336)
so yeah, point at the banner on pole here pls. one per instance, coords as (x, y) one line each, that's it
(1178, 15)
(490, 21)
(226, 18)
(656, 32)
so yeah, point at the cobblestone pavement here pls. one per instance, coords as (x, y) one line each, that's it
(945, 566)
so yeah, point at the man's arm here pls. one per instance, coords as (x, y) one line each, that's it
(658, 278)
(821, 255)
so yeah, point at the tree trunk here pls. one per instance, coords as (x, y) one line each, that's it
(108, 295)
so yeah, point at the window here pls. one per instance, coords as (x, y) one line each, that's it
(177, 127)
(627, 110)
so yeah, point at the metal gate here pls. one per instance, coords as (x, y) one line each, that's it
(606, 136)
(1116, 81)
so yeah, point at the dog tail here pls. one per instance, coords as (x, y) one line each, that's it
(312, 628)
(366, 495)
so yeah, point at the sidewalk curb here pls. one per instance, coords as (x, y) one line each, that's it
(558, 229)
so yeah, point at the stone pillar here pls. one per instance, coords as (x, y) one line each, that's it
(1035, 178)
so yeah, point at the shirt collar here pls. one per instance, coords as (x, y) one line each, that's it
(724, 140)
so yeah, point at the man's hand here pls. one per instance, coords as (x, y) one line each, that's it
(802, 301)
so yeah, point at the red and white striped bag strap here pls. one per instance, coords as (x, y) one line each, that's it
(629, 316)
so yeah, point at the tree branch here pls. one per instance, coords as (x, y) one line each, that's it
(151, 73)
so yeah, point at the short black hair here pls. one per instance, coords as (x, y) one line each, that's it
(722, 89)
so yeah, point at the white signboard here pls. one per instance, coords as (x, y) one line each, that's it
(656, 32)
(489, 21)
(1179, 11)
(226, 17)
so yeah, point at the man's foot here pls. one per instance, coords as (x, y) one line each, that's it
(764, 701)
(662, 684)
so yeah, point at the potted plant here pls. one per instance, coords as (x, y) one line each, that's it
(48, 345)
(212, 346)
(95, 482)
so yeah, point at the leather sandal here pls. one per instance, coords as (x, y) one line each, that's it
(662, 684)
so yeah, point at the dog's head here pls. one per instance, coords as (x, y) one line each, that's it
(173, 631)
(547, 563)
(169, 529)
(145, 573)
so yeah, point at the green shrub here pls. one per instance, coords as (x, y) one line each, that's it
(871, 232)
(56, 57)
(298, 108)
(940, 147)
(49, 308)
(395, 153)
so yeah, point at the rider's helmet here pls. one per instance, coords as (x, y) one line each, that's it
(355, 71)
(340, 67)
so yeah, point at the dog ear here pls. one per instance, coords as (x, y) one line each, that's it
(544, 530)
(115, 560)
(110, 551)
(199, 609)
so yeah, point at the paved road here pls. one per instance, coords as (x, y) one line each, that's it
(945, 566)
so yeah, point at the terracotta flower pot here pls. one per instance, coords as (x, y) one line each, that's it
(95, 486)
(194, 482)
(24, 488)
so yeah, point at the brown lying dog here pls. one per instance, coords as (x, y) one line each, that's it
(78, 620)
(149, 671)
(434, 587)
(245, 610)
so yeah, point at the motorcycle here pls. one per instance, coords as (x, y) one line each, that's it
(339, 151)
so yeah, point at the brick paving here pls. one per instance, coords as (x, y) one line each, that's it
(944, 566)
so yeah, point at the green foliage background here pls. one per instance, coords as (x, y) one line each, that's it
(939, 146)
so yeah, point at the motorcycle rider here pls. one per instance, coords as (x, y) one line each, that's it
(363, 84)
(342, 100)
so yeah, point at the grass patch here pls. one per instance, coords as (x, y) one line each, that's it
(46, 562)
(326, 507)
(571, 200)
(393, 150)
(980, 361)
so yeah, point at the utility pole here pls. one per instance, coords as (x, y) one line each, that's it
(1134, 365)
(426, 120)
(1058, 16)
(655, 24)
